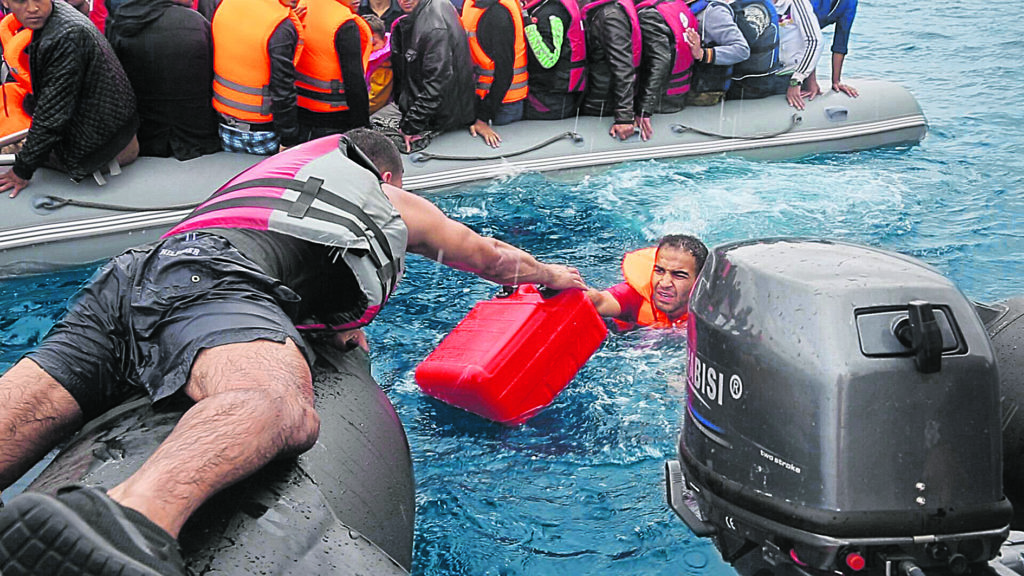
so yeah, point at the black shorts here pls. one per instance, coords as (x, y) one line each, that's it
(144, 316)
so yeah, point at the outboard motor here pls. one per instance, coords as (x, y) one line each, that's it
(842, 415)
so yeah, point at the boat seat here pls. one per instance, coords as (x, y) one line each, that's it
(113, 168)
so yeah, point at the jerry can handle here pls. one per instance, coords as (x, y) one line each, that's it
(546, 292)
(505, 291)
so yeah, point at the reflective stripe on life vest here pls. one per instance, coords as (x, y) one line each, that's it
(323, 191)
(241, 63)
(318, 78)
(484, 65)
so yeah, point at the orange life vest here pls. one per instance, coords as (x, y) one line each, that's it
(484, 65)
(317, 73)
(241, 64)
(637, 269)
(15, 39)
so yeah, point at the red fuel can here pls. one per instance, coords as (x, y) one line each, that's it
(511, 355)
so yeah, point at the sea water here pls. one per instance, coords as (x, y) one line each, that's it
(579, 489)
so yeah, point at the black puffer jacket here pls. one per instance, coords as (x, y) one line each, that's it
(436, 70)
(611, 78)
(84, 107)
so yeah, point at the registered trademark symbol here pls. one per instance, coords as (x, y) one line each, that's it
(735, 387)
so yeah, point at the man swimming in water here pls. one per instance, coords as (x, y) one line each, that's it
(657, 287)
(307, 240)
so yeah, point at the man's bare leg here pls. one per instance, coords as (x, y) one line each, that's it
(35, 413)
(254, 402)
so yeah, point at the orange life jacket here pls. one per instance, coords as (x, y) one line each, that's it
(637, 269)
(241, 64)
(12, 112)
(15, 38)
(317, 73)
(484, 65)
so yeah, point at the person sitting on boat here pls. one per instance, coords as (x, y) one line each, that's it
(498, 46)
(665, 67)
(613, 55)
(330, 74)
(84, 114)
(435, 79)
(219, 310)
(719, 45)
(379, 75)
(556, 59)
(841, 13)
(799, 50)
(165, 47)
(657, 287)
(255, 45)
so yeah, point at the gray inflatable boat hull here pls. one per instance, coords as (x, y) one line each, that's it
(346, 506)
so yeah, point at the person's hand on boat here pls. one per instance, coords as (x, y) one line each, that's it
(622, 131)
(646, 130)
(484, 130)
(795, 97)
(350, 340)
(409, 139)
(11, 181)
(811, 87)
(845, 89)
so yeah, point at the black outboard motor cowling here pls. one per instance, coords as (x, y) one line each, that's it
(842, 413)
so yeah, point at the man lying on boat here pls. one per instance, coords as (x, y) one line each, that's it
(84, 114)
(307, 240)
(656, 292)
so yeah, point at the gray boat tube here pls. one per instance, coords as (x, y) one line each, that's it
(346, 506)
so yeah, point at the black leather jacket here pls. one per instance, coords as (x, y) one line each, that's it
(84, 107)
(435, 73)
(656, 66)
(611, 78)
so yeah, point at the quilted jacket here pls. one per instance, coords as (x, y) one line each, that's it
(84, 108)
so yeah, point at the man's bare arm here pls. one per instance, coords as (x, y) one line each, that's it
(605, 304)
(435, 236)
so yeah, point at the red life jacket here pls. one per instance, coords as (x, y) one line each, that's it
(679, 18)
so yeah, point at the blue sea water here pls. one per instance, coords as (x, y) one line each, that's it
(578, 489)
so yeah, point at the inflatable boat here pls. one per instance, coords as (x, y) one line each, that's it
(55, 223)
(344, 507)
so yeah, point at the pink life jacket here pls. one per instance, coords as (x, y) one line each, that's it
(634, 23)
(323, 191)
(577, 43)
(678, 17)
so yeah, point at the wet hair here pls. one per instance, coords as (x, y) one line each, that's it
(375, 23)
(379, 149)
(691, 244)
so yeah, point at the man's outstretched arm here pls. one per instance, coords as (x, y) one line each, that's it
(435, 236)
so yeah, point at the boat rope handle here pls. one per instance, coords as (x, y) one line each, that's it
(424, 156)
(50, 202)
(794, 121)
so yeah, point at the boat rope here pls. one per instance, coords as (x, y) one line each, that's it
(794, 121)
(50, 202)
(424, 156)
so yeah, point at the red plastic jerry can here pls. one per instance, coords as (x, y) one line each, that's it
(511, 355)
